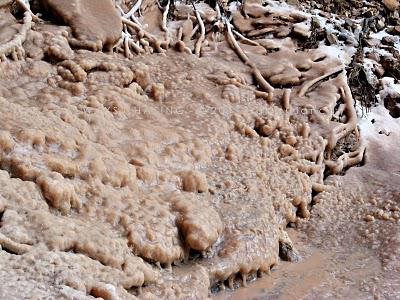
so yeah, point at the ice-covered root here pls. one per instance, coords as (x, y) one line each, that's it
(181, 47)
(133, 10)
(264, 85)
(12, 246)
(59, 192)
(241, 278)
(286, 249)
(2, 206)
(26, 7)
(198, 223)
(346, 160)
(319, 188)
(343, 130)
(71, 71)
(245, 39)
(164, 18)
(194, 181)
(6, 142)
(304, 89)
(158, 92)
(202, 32)
(104, 291)
(14, 47)
(286, 99)
(152, 40)
(302, 208)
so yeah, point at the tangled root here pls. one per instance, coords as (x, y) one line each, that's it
(14, 47)
(151, 40)
(346, 160)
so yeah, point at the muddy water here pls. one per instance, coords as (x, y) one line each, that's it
(174, 174)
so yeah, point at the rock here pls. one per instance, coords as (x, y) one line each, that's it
(349, 22)
(293, 2)
(301, 31)
(288, 253)
(380, 24)
(95, 24)
(315, 22)
(332, 39)
(379, 70)
(372, 43)
(391, 5)
(325, 14)
(394, 30)
(389, 40)
(350, 40)
(374, 56)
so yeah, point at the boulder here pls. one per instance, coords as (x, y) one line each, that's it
(391, 5)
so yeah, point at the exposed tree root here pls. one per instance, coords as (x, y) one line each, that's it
(202, 32)
(343, 130)
(12, 246)
(314, 81)
(256, 72)
(243, 38)
(286, 99)
(164, 17)
(14, 47)
(133, 10)
(346, 160)
(152, 40)
(26, 7)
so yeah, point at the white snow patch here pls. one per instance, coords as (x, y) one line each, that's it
(379, 35)
(344, 53)
(378, 122)
(389, 88)
(381, 52)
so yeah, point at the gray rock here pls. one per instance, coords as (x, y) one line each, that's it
(388, 40)
(380, 24)
(332, 38)
(293, 2)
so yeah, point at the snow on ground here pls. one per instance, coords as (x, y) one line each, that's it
(378, 121)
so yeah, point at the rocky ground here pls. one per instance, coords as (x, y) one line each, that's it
(184, 150)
